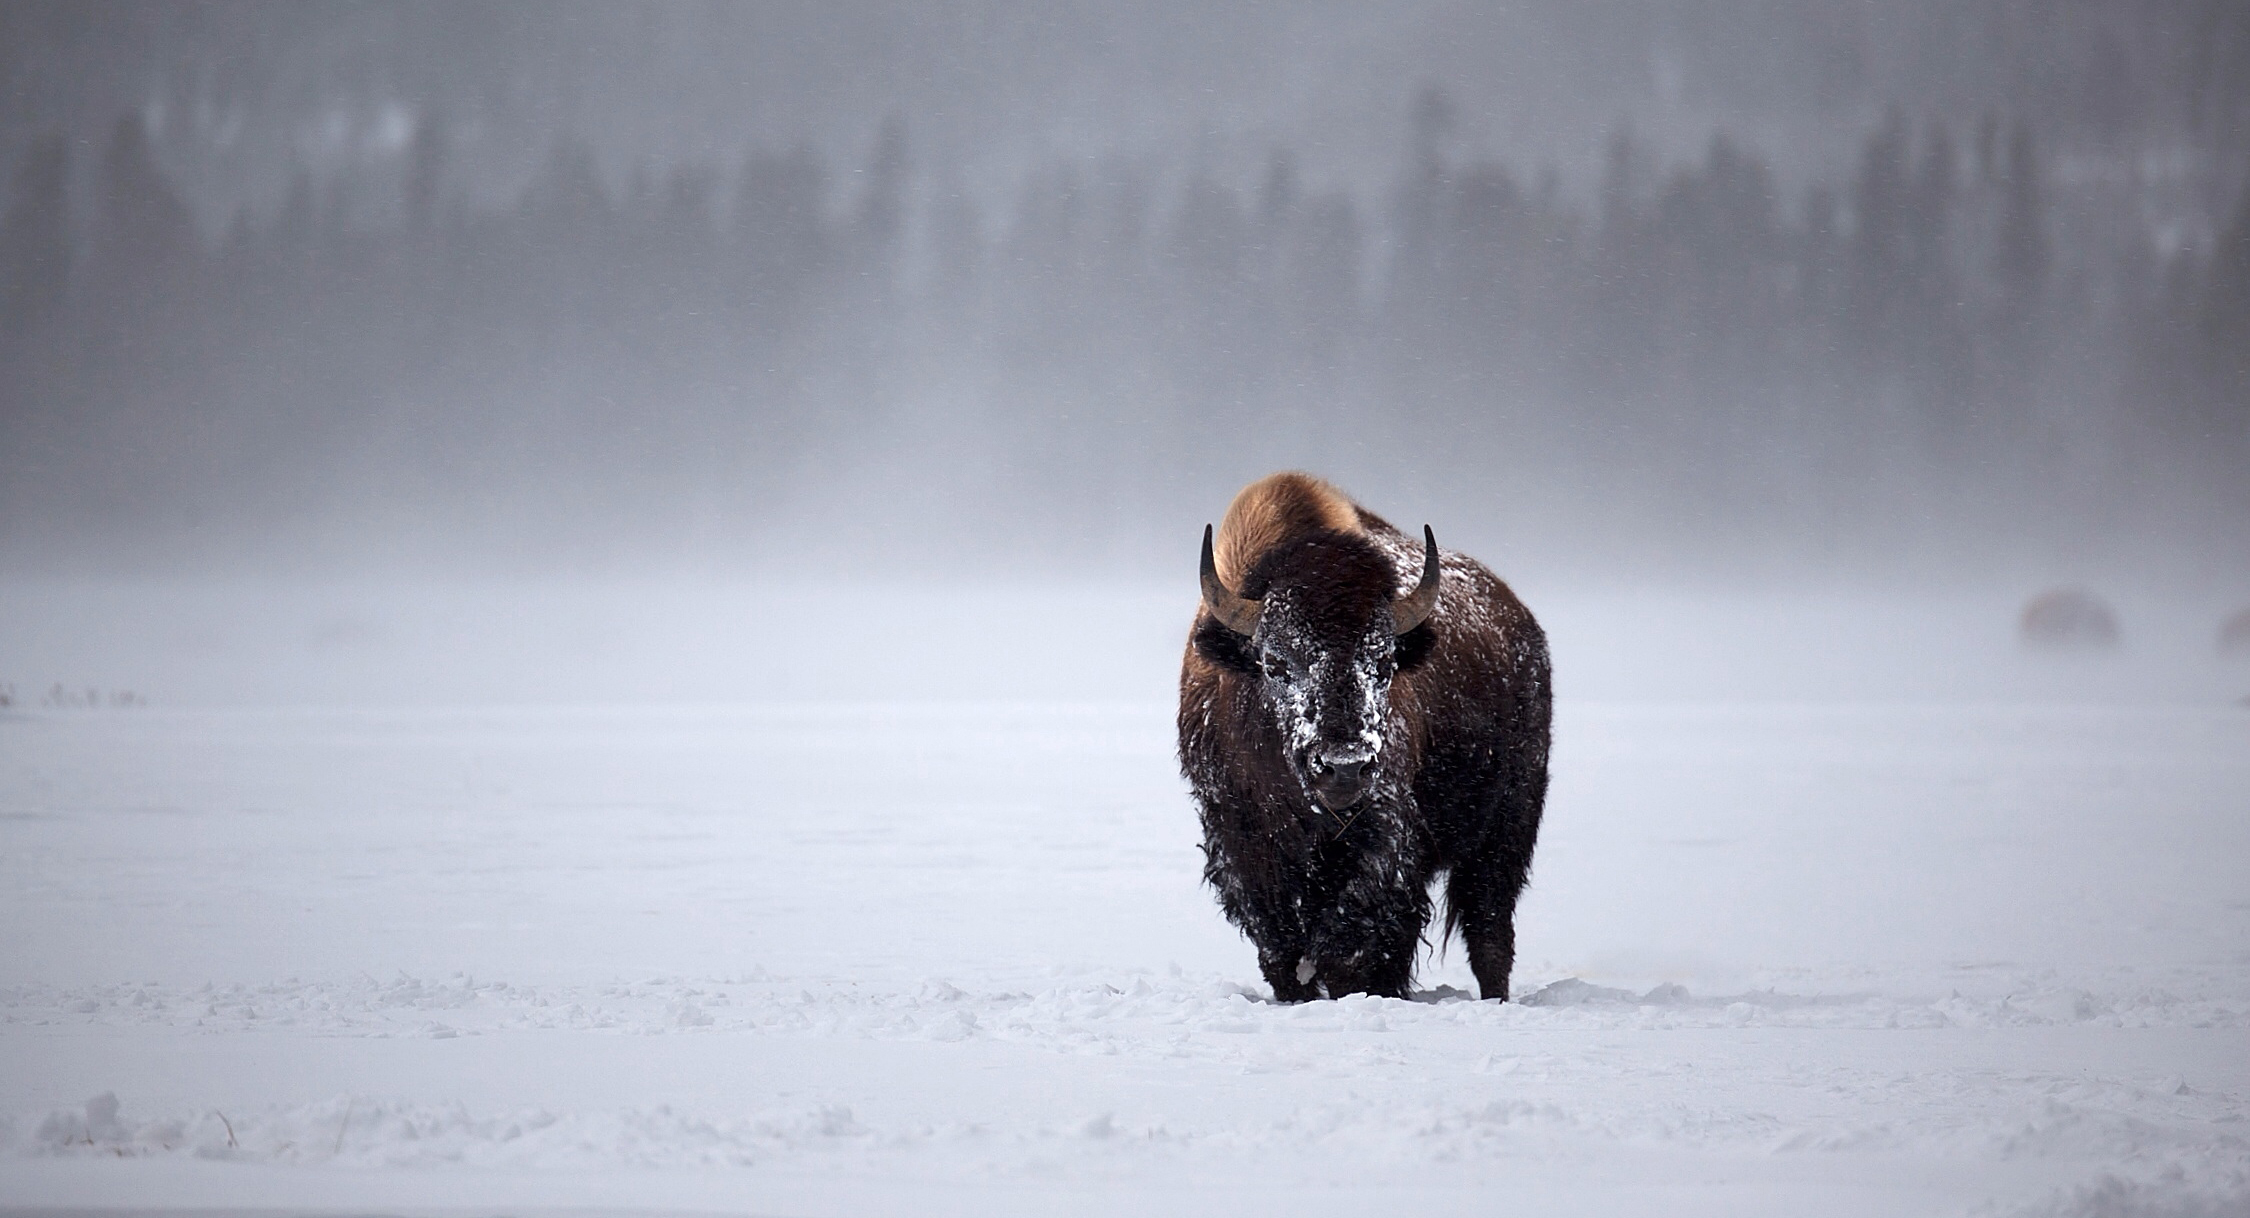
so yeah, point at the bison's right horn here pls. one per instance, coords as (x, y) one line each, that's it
(1236, 613)
(1415, 607)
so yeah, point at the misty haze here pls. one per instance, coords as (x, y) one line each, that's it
(592, 597)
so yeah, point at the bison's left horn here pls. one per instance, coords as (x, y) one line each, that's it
(1236, 613)
(1415, 607)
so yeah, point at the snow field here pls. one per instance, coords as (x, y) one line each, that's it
(1929, 956)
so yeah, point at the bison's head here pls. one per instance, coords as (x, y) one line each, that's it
(1319, 626)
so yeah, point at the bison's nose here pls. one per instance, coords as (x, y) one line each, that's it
(1339, 776)
(1342, 760)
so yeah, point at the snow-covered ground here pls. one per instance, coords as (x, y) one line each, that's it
(707, 899)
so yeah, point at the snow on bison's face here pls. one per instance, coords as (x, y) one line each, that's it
(1321, 638)
(1329, 691)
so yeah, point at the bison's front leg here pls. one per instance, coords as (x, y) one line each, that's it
(1364, 936)
(1290, 975)
(1364, 961)
(1271, 921)
(1259, 897)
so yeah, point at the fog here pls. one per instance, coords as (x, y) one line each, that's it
(1620, 292)
(487, 352)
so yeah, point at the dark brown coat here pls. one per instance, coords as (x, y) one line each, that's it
(1339, 767)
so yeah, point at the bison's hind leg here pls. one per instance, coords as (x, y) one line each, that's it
(1480, 899)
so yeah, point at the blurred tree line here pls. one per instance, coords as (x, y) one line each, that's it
(677, 356)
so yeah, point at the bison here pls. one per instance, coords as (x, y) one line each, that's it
(2068, 619)
(2234, 634)
(1360, 711)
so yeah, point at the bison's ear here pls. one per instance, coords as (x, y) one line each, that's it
(1414, 647)
(1215, 642)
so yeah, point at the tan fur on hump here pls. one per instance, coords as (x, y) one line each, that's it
(1272, 510)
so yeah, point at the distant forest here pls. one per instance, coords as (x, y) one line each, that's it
(1955, 332)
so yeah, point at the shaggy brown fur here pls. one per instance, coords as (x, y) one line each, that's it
(1272, 510)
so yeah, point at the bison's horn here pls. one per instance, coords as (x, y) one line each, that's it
(1236, 613)
(1415, 607)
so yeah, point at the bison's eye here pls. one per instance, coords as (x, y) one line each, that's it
(1276, 670)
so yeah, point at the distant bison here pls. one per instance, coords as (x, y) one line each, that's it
(2234, 635)
(2068, 618)
(1360, 711)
